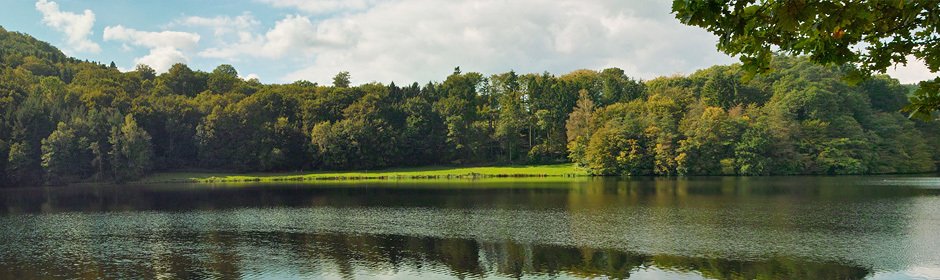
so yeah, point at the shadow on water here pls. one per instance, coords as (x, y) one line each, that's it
(457, 194)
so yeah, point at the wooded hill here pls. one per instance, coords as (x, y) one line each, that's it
(66, 120)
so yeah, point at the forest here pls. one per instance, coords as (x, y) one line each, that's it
(65, 120)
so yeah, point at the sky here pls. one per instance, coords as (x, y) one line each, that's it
(281, 41)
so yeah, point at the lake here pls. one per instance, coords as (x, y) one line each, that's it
(878, 227)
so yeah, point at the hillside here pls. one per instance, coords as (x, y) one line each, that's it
(65, 120)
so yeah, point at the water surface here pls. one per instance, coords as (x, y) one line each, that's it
(881, 227)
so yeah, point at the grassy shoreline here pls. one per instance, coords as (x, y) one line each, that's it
(416, 173)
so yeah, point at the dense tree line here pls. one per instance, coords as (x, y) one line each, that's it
(65, 120)
(802, 119)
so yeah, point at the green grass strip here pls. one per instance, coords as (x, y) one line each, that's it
(417, 173)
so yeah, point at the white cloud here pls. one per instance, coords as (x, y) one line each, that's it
(321, 6)
(162, 58)
(915, 71)
(175, 39)
(250, 76)
(166, 47)
(294, 35)
(421, 40)
(220, 25)
(77, 27)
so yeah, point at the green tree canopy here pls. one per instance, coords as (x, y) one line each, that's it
(222, 79)
(131, 152)
(871, 35)
(341, 80)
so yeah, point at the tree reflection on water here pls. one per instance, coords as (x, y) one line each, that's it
(738, 228)
(230, 255)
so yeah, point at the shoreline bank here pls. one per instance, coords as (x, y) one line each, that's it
(416, 173)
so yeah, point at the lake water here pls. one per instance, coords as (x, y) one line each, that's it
(882, 227)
